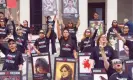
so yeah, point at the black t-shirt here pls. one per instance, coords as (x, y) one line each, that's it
(51, 23)
(26, 31)
(110, 71)
(67, 47)
(73, 32)
(12, 59)
(111, 33)
(42, 44)
(122, 76)
(20, 40)
(110, 53)
(4, 31)
(130, 46)
(88, 44)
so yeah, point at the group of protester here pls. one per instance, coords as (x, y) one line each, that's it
(102, 53)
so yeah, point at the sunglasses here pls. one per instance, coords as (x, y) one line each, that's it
(11, 43)
(117, 62)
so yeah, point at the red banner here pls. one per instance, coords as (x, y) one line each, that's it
(11, 3)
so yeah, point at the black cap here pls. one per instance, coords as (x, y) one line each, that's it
(11, 40)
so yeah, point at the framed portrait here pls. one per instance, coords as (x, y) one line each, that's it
(99, 74)
(113, 41)
(70, 11)
(3, 4)
(129, 67)
(41, 66)
(65, 69)
(10, 75)
(100, 25)
(49, 7)
(25, 67)
(123, 51)
(85, 66)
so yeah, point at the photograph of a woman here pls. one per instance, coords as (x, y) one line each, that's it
(64, 71)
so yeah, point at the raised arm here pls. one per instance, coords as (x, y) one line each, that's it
(18, 19)
(62, 23)
(58, 30)
(106, 63)
(95, 33)
(119, 36)
(14, 28)
(78, 23)
(54, 18)
(49, 31)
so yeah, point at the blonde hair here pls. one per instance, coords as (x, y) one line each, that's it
(84, 35)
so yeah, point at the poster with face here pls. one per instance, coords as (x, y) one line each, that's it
(25, 67)
(2, 4)
(10, 75)
(49, 7)
(85, 66)
(123, 51)
(129, 67)
(70, 11)
(99, 74)
(100, 24)
(64, 69)
(41, 66)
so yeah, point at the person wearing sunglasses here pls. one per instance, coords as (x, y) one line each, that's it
(26, 29)
(88, 41)
(13, 57)
(120, 74)
(19, 37)
(41, 44)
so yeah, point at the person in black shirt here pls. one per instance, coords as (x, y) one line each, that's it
(72, 30)
(41, 44)
(4, 30)
(120, 74)
(19, 37)
(96, 55)
(128, 43)
(13, 57)
(67, 45)
(110, 33)
(3, 16)
(53, 36)
(88, 41)
(26, 29)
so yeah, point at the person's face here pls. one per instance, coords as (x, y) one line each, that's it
(19, 31)
(2, 23)
(87, 33)
(41, 35)
(1, 15)
(125, 29)
(41, 70)
(70, 24)
(70, 3)
(64, 72)
(12, 45)
(96, 16)
(126, 48)
(118, 66)
(25, 23)
(103, 38)
(115, 23)
(65, 33)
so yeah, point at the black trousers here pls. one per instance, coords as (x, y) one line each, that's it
(53, 39)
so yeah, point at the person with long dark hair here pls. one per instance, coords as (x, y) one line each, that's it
(67, 45)
(53, 35)
(88, 41)
(26, 29)
(72, 30)
(66, 72)
(19, 37)
(41, 66)
(96, 55)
